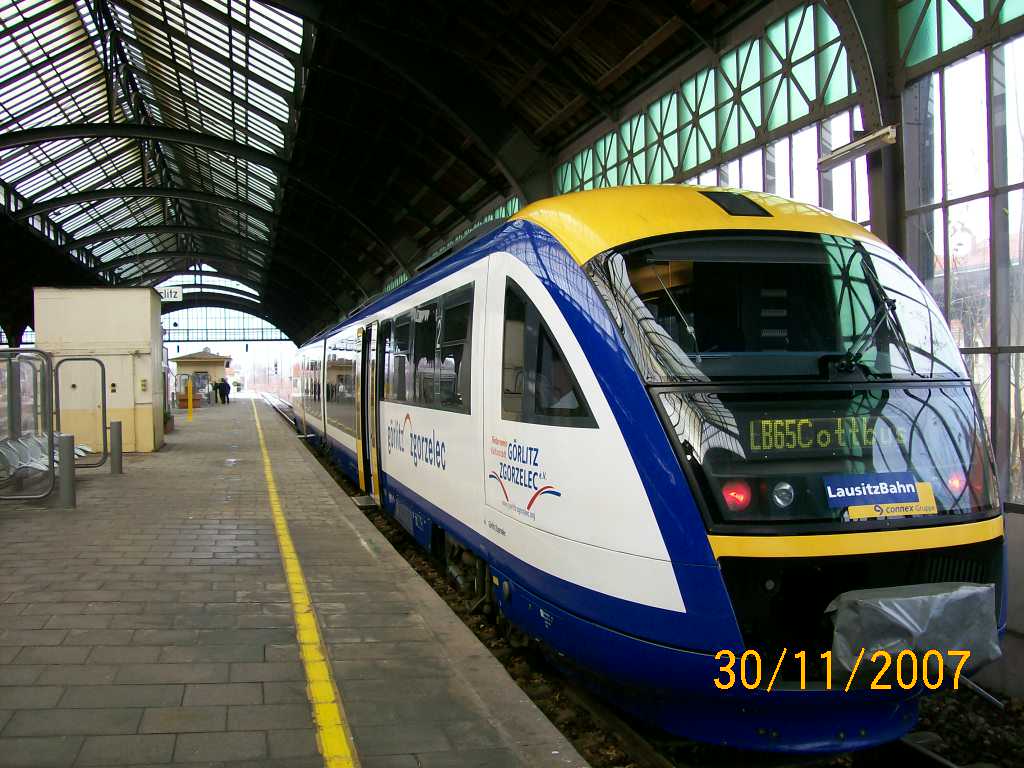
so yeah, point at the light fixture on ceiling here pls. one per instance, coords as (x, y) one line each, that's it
(883, 137)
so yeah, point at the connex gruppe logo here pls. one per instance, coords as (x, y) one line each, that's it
(424, 448)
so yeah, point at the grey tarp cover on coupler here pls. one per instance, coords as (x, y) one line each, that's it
(919, 617)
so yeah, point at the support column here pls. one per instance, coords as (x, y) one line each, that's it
(868, 29)
(14, 330)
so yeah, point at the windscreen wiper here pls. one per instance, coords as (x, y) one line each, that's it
(892, 318)
(852, 357)
(885, 314)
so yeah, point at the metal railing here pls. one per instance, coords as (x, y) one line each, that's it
(27, 455)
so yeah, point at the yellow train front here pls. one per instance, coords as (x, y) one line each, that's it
(716, 449)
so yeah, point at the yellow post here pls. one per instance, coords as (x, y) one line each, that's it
(188, 391)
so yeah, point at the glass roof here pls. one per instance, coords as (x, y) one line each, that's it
(230, 69)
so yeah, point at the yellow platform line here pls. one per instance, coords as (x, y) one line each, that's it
(333, 736)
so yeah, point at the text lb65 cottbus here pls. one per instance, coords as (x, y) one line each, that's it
(885, 670)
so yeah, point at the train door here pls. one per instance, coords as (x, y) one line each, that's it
(366, 402)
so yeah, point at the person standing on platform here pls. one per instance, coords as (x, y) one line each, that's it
(214, 393)
(225, 391)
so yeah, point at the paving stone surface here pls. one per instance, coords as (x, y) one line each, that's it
(152, 625)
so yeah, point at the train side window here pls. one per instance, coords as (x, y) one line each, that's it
(424, 349)
(398, 361)
(537, 384)
(456, 349)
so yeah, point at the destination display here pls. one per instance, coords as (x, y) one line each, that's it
(831, 433)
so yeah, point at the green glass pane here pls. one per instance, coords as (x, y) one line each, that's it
(776, 34)
(751, 104)
(663, 116)
(1011, 10)
(834, 73)
(687, 101)
(955, 29)
(727, 75)
(748, 121)
(803, 75)
(653, 166)
(563, 178)
(723, 88)
(583, 165)
(631, 134)
(671, 154)
(705, 138)
(607, 150)
(776, 102)
(750, 64)
(801, 33)
(611, 178)
(773, 52)
(925, 44)
(826, 27)
(727, 132)
(798, 106)
(688, 145)
(705, 92)
(630, 174)
(974, 8)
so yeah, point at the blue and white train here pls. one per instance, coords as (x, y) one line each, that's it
(672, 421)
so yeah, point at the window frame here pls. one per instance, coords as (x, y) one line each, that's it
(455, 297)
(533, 326)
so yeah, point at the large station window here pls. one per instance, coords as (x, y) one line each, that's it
(537, 384)
(963, 149)
(437, 336)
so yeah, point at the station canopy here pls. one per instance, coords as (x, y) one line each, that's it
(290, 159)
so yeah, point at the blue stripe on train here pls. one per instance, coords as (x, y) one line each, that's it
(697, 629)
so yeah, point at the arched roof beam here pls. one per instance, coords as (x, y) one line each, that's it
(312, 282)
(31, 136)
(166, 274)
(295, 293)
(225, 261)
(122, 261)
(110, 193)
(166, 229)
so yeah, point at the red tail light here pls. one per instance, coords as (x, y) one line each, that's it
(736, 494)
(956, 481)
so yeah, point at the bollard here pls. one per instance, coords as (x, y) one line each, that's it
(115, 448)
(66, 454)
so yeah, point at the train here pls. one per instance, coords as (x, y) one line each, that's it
(664, 424)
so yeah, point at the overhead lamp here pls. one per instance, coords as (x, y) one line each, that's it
(869, 143)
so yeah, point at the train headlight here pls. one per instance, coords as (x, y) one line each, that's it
(783, 494)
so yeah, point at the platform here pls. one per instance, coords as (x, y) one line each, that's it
(154, 623)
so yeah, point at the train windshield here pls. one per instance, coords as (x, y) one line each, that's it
(808, 381)
(768, 306)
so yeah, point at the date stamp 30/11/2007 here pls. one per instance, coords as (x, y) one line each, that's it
(905, 670)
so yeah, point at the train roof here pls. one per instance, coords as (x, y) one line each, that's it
(591, 222)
